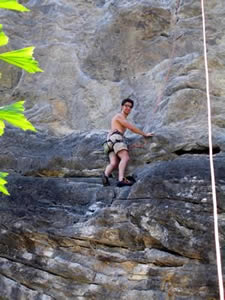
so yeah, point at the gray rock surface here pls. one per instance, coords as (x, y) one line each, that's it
(65, 236)
(72, 238)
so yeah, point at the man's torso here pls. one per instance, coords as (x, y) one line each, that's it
(116, 125)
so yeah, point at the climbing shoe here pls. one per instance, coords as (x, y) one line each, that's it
(105, 179)
(124, 182)
(131, 179)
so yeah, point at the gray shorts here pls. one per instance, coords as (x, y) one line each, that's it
(118, 142)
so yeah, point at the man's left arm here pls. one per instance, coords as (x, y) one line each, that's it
(133, 128)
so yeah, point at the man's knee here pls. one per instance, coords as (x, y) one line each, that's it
(127, 157)
(114, 164)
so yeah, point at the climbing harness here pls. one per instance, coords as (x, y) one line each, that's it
(109, 144)
(216, 230)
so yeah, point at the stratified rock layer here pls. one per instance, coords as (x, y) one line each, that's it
(65, 236)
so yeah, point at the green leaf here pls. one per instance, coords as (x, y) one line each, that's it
(22, 58)
(3, 38)
(3, 182)
(14, 114)
(2, 127)
(12, 4)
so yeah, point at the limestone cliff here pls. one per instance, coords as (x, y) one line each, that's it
(65, 236)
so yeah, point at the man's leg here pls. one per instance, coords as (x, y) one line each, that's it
(124, 158)
(113, 164)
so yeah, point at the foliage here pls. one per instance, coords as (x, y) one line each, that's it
(3, 182)
(22, 58)
(12, 4)
(3, 38)
(14, 115)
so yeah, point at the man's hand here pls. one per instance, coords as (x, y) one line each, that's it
(148, 134)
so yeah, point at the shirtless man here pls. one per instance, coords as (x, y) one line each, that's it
(119, 155)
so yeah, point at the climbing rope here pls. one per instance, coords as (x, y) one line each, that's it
(216, 229)
(158, 102)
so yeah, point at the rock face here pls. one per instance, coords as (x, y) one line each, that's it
(65, 236)
(71, 238)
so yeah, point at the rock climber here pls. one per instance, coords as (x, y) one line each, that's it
(117, 147)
